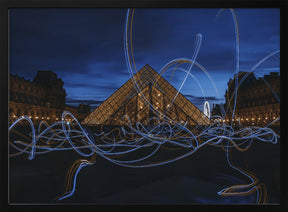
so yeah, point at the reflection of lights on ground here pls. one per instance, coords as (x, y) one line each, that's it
(68, 134)
(215, 134)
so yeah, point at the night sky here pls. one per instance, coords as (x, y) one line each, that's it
(85, 47)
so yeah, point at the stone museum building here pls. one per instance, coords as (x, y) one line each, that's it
(40, 99)
(258, 100)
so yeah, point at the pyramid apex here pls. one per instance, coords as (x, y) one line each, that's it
(153, 86)
(147, 66)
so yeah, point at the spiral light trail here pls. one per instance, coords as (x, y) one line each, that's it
(166, 133)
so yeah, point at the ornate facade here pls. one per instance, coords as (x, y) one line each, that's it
(40, 99)
(258, 100)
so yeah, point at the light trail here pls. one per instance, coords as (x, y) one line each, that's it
(149, 140)
(207, 109)
(116, 144)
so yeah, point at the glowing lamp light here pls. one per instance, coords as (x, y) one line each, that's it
(173, 136)
(14, 116)
(159, 94)
(37, 117)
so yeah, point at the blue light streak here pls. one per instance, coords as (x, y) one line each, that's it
(63, 136)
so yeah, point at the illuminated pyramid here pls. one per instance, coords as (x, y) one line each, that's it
(159, 92)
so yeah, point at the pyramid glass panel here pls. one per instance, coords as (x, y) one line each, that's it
(153, 90)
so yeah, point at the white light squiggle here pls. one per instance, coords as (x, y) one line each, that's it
(164, 133)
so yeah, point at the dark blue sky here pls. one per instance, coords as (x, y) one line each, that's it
(85, 46)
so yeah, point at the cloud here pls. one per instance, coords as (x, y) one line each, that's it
(76, 102)
(198, 101)
(85, 46)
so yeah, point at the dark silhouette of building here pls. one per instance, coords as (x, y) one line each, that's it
(55, 93)
(80, 112)
(258, 100)
(218, 110)
(42, 99)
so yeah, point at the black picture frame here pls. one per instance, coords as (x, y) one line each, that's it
(4, 48)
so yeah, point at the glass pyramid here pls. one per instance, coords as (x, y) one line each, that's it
(158, 92)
